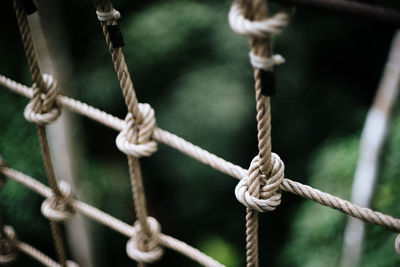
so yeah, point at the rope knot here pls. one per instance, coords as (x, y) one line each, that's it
(8, 240)
(58, 208)
(269, 196)
(72, 264)
(265, 63)
(262, 29)
(136, 137)
(142, 247)
(111, 15)
(43, 109)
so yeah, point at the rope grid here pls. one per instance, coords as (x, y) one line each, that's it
(259, 187)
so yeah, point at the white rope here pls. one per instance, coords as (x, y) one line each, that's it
(56, 209)
(197, 153)
(270, 195)
(265, 63)
(154, 250)
(206, 158)
(257, 29)
(106, 16)
(397, 244)
(111, 222)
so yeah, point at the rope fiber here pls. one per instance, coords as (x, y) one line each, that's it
(259, 188)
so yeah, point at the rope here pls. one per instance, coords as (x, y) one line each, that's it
(135, 141)
(9, 244)
(259, 188)
(207, 158)
(40, 257)
(106, 219)
(41, 111)
(251, 19)
(386, 16)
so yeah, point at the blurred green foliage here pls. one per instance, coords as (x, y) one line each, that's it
(322, 229)
(187, 63)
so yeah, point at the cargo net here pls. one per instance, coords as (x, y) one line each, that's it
(259, 187)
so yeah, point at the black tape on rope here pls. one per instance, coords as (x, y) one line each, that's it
(29, 6)
(116, 37)
(267, 82)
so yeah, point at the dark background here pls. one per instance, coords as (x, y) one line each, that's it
(194, 71)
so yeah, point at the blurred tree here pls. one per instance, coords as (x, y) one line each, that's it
(187, 63)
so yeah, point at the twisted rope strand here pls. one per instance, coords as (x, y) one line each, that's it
(207, 158)
(39, 107)
(260, 47)
(261, 57)
(132, 133)
(28, 45)
(36, 254)
(108, 220)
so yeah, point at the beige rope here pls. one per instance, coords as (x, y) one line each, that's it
(216, 162)
(135, 141)
(250, 18)
(40, 257)
(259, 190)
(7, 244)
(10, 243)
(42, 111)
(108, 220)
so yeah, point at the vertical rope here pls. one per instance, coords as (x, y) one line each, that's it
(132, 104)
(257, 10)
(120, 66)
(41, 88)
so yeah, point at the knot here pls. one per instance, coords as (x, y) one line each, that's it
(8, 240)
(265, 63)
(269, 189)
(262, 29)
(58, 208)
(72, 264)
(397, 244)
(111, 15)
(42, 109)
(153, 251)
(258, 29)
(140, 133)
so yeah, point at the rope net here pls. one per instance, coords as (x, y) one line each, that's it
(259, 187)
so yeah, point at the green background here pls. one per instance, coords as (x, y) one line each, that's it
(194, 71)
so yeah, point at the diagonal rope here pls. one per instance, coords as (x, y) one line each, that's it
(265, 175)
(109, 221)
(207, 158)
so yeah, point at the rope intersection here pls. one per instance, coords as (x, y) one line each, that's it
(259, 188)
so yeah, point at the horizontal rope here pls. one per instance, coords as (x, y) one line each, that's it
(216, 162)
(382, 15)
(106, 219)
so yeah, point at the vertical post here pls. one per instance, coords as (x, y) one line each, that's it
(371, 143)
(54, 60)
